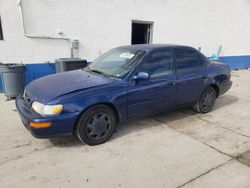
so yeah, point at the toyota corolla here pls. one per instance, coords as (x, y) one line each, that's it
(124, 83)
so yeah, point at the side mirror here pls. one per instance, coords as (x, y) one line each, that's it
(141, 76)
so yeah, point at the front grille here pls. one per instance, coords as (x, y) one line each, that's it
(26, 99)
(27, 102)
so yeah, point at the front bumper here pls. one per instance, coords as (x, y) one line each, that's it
(224, 87)
(61, 124)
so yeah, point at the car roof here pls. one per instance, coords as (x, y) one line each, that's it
(149, 47)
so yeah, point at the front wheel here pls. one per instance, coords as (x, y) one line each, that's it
(96, 125)
(206, 101)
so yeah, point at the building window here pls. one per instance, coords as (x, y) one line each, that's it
(1, 31)
(141, 32)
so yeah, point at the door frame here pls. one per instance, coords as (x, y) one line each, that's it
(150, 23)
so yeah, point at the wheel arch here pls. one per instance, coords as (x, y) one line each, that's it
(216, 88)
(108, 104)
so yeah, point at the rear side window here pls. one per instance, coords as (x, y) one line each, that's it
(187, 60)
(159, 63)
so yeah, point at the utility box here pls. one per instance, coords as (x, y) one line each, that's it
(12, 76)
(68, 64)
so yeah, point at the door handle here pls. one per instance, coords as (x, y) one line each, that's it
(170, 83)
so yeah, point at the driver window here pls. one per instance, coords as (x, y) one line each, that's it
(159, 63)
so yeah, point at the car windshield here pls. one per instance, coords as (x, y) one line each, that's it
(116, 63)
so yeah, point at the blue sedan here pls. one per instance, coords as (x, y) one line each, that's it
(124, 83)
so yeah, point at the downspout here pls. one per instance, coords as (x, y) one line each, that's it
(20, 6)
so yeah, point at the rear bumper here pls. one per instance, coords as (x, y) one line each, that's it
(224, 87)
(61, 124)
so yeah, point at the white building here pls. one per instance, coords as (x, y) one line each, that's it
(36, 31)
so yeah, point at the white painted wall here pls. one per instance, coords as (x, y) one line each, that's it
(104, 24)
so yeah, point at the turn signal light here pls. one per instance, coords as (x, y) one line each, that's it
(40, 125)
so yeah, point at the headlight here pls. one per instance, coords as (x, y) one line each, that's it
(47, 109)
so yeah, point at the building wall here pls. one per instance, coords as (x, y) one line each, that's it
(103, 24)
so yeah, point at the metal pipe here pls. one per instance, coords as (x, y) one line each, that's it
(219, 50)
(35, 36)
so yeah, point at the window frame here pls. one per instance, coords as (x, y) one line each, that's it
(201, 57)
(149, 55)
(1, 30)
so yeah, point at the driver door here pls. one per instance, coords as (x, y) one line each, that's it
(156, 93)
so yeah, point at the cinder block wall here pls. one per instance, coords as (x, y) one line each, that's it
(103, 24)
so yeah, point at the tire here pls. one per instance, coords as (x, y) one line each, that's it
(96, 125)
(206, 101)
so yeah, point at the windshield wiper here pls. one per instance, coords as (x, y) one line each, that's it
(100, 72)
(86, 68)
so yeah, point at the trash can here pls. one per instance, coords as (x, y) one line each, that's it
(12, 76)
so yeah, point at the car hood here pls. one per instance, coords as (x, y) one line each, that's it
(47, 88)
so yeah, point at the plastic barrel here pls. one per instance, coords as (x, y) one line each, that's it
(12, 76)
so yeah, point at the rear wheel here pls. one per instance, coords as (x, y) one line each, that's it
(96, 125)
(206, 101)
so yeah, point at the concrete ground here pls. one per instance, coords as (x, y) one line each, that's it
(172, 149)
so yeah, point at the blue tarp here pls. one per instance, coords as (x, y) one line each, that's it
(34, 71)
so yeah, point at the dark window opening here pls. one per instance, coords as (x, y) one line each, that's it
(141, 33)
(1, 31)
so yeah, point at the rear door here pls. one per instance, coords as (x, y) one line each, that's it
(191, 75)
(156, 93)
